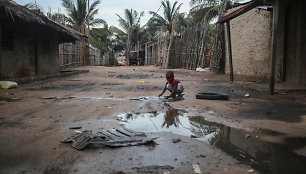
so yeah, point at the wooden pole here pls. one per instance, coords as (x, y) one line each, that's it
(171, 42)
(274, 45)
(230, 50)
(0, 49)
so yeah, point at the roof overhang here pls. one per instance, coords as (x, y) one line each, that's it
(11, 12)
(249, 6)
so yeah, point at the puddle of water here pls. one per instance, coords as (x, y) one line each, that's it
(150, 122)
(146, 98)
(268, 157)
(174, 120)
(149, 98)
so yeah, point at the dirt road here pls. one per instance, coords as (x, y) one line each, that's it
(35, 117)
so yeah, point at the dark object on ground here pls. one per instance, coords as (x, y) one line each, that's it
(113, 137)
(193, 136)
(176, 140)
(211, 96)
(77, 127)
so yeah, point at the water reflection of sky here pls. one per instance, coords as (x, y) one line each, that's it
(174, 121)
(157, 123)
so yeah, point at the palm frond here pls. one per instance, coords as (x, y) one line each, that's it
(96, 22)
(93, 6)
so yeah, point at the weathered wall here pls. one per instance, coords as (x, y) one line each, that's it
(28, 51)
(48, 61)
(294, 41)
(251, 44)
(17, 52)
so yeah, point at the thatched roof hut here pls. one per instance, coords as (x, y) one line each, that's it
(11, 12)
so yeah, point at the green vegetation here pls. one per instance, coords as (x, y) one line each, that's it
(209, 9)
(79, 15)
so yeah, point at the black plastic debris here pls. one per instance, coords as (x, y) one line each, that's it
(120, 137)
(176, 140)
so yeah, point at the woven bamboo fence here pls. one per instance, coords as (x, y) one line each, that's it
(70, 54)
(192, 46)
(188, 49)
(217, 58)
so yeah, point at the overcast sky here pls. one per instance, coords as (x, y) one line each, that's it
(109, 8)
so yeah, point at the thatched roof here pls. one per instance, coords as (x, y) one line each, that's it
(11, 12)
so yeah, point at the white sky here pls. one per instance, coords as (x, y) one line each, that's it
(109, 8)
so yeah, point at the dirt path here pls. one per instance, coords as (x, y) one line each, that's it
(35, 117)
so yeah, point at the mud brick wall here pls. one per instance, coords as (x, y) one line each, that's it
(26, 50)
(17, 52)
(48, 60)
(251, 38)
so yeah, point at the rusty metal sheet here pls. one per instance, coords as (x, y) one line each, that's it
(120, 137)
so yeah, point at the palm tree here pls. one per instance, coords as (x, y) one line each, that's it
(105, 40)
(208, 9)
(131, 24)
(169, 15)
(101, 38)
(79, 15)
(130, 27)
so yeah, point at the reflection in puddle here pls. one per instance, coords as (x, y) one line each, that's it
(173, 120)
(268, 157)
(170, 121)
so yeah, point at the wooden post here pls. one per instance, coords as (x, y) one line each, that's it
(171, 42)
(274, 47)
(36, 54)
(0, 49)
(230, 50)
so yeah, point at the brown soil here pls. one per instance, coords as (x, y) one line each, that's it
(35, 117)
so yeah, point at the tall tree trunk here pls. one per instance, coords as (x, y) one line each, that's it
(170, 43)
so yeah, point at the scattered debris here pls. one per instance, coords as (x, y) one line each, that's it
(202, 69)
(176, 140)
(196, 168)
(193, 136)
(59, 98)
(8, 84)
(120, 137)
(211, 96)
(199, 69)
(151, 169)
(247, 136)
(250, 171)
(211, 112)
(140, 87)
(7, 99)
(122, 76)
(153, 112)
(77, 127)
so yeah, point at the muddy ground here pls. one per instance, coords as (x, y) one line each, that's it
(256, 134)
